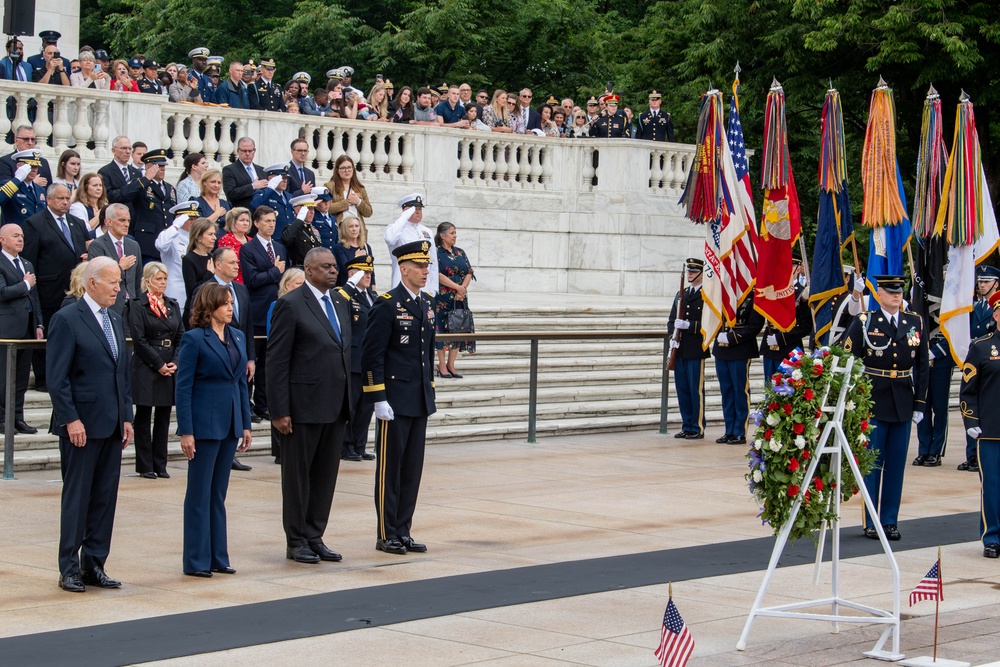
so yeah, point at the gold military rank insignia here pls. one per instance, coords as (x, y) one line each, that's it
(968, 372)
(425, 247)
(848, 344)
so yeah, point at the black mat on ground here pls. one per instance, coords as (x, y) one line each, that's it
(198, 632)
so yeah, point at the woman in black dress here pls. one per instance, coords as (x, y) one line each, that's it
(455, 275)
(196, 265)
(156, 331)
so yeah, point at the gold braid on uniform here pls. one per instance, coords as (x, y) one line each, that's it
(966, 412)
(968, 372)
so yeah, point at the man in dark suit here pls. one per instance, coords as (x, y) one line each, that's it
(24, 139)
(526, 119)
(397, 359)
(120, 173)
(357, 290)
(301, 178)
(54, 243)
(117, 245)
(244, 177)
(262, 260)
(88, 371)
(309, 397)
(20, 318)
(227, 267)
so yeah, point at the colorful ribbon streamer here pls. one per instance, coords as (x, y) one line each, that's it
(882, 204)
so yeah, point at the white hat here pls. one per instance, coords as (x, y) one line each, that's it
(414, 199)
(304, 200)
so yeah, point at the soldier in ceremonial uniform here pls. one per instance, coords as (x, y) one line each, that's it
(301, 236)
(20, 196)
(614, 124)
(213, 79)
(893, 346)
(397, 360)
(197, 73)
(250, 81)
(149, 82)
(775, 344)
(275, 196)
(735, 347)
(987, 284)
(979, 397)
(845, 307)
(270, 96)
(324, 223)
(152, 198)
(932, 431)
(359, 294)
(689, 361)
(655, 125)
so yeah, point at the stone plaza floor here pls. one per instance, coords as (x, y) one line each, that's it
(573, 512)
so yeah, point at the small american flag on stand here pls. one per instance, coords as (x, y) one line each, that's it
(676, 643)
(929, 587)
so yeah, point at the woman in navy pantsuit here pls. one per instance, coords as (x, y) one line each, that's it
(213, 413)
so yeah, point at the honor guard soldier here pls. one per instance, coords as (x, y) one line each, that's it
(198, 75)
(735, 347)
(845, 307)
(152, 198)
(932, 431)
(359, 294)
(275, 196)
(689, 361)
(150, 82)
(20, 196)
(987, 284)
(270, 96)
(775, 344)
(613, 125)
(655, 125)
(978, 397)
(892, 345)
(397, 360)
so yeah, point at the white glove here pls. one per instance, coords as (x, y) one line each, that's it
(356, 278)
(674, 344)
(974, 432)
(917, 417)
(303, 212)
(22, 172)
(859, 285)
(772, 339)
(931, 355)
(683, 325)
(722, 338)
(274, 182)
(384, 411)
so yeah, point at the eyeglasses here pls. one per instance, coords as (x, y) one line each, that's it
(345, 167)
(525, 97)
(27, 140)
(300, 150)
(246, 150)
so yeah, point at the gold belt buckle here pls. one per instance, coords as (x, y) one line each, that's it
(892, 374)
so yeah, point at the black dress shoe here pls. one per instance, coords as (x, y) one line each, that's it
(164, 474)
(98, 577)
(41, 387)
(972, 465)
(413, 546)
(277, 460)
(734, 440)
(871, 533)
(367, 456)
(237, 465)
(256, 419)
(695, 436)
(301, 554)
(72, 583)
(681, 434)
(932, 461)
(919, 461)
(148, 475)
(351, 457)
(202, 574)
(724, 440)
(392, 546)
(991, 550)
(224, 570)
(22, 426)
(325, 553)
(263, 414)
(892, 532)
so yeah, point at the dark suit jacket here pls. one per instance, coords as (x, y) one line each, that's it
(8, 166)
(19, 306)
(132, 278)
(53, 258)
(294, 188)
(242, 321)
(237, 185)
(261, 277)
(534, 120)
(150, 353)
(308, 370)
(212, 396)
(114, 185)
(85, 382)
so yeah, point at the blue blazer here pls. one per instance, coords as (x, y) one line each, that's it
(85, 382)
(261, 277)
(212, 397)
(294, 188)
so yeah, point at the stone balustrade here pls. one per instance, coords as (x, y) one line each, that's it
(534, 213)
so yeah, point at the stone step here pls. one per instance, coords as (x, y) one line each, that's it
(568, 323)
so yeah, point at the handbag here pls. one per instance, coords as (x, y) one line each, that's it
(460, 321)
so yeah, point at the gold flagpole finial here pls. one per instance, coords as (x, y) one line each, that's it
(670, 589)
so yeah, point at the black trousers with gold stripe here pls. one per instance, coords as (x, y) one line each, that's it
(400, 463)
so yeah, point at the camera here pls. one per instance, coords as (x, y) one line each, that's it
(56, 55)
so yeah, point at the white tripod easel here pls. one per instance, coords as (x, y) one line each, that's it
(833, 441)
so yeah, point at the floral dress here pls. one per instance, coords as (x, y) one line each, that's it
(455, 266)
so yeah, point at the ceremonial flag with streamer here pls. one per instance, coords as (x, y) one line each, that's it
(780, 222)
(885, 201)
(967, 220)
(713, 196)
(932, 253)
(834, 223)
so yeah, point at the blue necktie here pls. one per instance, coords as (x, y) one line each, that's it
(64, 228)
(332, 316)
(106, 324)
(236, 310)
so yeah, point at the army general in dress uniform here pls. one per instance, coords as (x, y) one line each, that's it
(893, 347)
(689, 362)
(735, 347)
(654, 124)
(397, 360)
(980, 396)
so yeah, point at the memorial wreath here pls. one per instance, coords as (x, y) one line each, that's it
(789, 422)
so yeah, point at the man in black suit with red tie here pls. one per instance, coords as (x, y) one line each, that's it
(243, 177)
(20, 318)
(308, 392)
